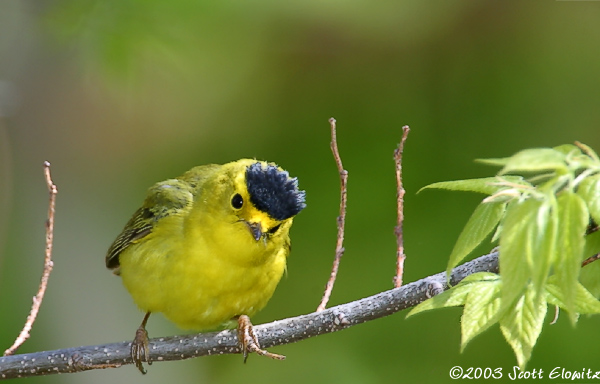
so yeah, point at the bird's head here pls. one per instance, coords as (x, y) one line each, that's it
(265, 198)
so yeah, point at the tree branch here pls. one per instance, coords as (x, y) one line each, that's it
(225, 342)
(341, 219)
(48, 264)
(398, 230)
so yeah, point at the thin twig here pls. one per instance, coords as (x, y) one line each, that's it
(48, 264)
(341, 219)
(280, 332)
(590, 259)
(398, 230)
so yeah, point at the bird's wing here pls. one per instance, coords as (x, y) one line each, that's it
(170, 197)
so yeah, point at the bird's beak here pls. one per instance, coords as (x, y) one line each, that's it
(255, 230)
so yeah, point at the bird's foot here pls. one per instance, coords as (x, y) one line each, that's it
(140, 351)
(249, 342)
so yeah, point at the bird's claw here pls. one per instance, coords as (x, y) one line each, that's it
(249, 342)
(139, 349)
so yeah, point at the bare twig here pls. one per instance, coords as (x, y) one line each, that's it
(400, 256)
(341, 220)
(590, 259)
(48, 264)
(226, 342)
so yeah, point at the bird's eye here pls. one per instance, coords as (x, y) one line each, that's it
(237, 201)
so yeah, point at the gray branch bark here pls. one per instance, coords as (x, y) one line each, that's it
(280, 332)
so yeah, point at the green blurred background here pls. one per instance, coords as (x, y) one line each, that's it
(120, 94)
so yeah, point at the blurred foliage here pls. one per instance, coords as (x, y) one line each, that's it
(121, 94)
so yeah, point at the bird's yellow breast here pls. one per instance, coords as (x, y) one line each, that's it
(200, 278)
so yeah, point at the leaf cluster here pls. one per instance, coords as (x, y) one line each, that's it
(542, 208)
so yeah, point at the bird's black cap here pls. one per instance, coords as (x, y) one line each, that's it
(273, 191)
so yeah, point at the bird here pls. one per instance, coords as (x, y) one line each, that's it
(208, 248)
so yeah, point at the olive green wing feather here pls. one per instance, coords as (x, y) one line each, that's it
(170, 197)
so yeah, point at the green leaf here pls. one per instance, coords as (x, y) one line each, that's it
(486, 185)
(495, 162)
(455, 296)
(589, 190)
(497, 232)
(483, 220)
(568, 149)
(589, 275)
(535, 160)
(543, 243)
(513, 264)
(526, 246)
(584, 301)
(573, 220)
(576, 158)
(478, 277)
(522, 324)
(589, 278)
(482, 308)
